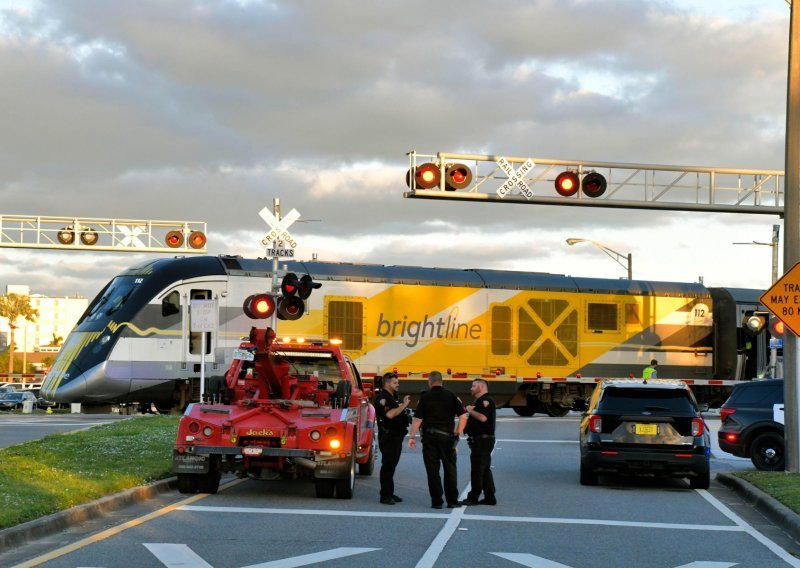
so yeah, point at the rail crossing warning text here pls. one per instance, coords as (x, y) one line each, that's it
(783, 299)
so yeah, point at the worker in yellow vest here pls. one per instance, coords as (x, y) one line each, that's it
(650, 372)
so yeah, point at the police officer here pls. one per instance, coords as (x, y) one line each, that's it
(435, 413)
(392, 428)
(480, 435)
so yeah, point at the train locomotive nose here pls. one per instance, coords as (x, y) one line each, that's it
(69, 387)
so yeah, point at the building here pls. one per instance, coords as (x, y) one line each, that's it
(57, 316)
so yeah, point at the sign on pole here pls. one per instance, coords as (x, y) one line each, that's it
(783, 299)
(204, 318)
(515, 178)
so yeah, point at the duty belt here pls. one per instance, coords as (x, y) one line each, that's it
(481, 436)
(437, 431)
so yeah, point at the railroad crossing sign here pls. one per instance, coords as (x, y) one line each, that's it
(515, 178)
(279, 227)
(783, 299)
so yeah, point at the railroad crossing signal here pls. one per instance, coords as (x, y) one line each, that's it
(515, 178)
(783, 299)
(280, 227)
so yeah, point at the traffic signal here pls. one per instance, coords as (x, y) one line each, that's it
(457, 176)
(89, 237)
(426, 176)
(197, 239)
(754, 323)
(66, 236)
(568, 183)
(776, 327)
(291, 308)
(295, 290)
(174, 239)
(259, 306)
(306, 286)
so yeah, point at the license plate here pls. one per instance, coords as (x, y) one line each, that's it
(243, 354)
(189, 463)
(647, 429)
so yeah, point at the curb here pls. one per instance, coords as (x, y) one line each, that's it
(64, 519)
(770, 507)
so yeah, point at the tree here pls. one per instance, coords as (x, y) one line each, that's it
(13, 307)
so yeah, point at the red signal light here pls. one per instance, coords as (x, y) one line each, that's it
(259, 306)
(593, 185)
(291, 308)
(457, 176)
(426, 176)
(567, 184)
(174, 239)
(289, 284)
(197, 239)
(777, 328)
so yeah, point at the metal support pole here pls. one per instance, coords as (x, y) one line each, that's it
(630, 266)
(273, 319)
(792, 237)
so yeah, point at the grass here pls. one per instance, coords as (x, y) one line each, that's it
(60, 471)
(782, 485)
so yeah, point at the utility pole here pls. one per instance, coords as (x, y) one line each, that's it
(791, 253)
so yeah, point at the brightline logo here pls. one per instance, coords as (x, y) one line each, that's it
(441, 328)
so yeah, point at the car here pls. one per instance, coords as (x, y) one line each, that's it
(751, 424)
(647, 427)
(12, 400)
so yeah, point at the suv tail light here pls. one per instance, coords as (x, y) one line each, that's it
(724, 413)
(697, 427)
(595, 423)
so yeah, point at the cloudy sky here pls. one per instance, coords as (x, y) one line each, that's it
(208, 110)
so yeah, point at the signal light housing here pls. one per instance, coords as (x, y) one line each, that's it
(426, 176)
(457, 176)
(259, 306)
(291, 308)
(754, 323)
(89, 237)
(197, 239)
(66, 236)
(567, 184)
(174, 239)
(306, 286)
(593, 185)
(289, 284)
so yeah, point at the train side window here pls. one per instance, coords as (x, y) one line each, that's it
(345, 321)
(602, 317)
(195, 339)
(171, 304)
(501, 330)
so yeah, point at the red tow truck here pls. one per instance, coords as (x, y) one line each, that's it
(287, 409)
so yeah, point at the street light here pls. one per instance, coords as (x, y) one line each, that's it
(618, 257)
(774, 244)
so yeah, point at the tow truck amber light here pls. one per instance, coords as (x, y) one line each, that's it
(197, 240)
(335, 342)
(335, 444)
(174, 239)
(596, 423)
(697, 427)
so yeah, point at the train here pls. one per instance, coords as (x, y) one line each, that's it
(541, 340)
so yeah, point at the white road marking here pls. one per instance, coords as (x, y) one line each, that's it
(529, 560)
(176, 555)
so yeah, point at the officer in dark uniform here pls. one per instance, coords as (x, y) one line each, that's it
(480, 436)
(392, 428)
(435, 413)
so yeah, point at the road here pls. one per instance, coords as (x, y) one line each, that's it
(19, 428)
(544, 518)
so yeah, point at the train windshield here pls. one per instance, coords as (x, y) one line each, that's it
(112, 298)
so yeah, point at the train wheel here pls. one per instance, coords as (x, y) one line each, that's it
(524, 410)
(556, 410)
(187, 483)
(324, 488)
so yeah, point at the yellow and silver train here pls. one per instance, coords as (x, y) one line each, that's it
(541, 340)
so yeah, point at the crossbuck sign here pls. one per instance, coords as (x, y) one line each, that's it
(280, 228)
(515, 179)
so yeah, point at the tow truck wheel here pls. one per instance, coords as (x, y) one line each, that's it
(344, 487)
(368, 467)
(209, 482)
(187, 483)
(324, 488)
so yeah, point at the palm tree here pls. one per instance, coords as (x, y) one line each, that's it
(14, 306)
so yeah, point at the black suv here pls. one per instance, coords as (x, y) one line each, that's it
(751, 424)
(651, 427)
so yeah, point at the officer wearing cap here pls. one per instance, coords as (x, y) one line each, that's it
(480, 435)
(435, 414)
(392, 428)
